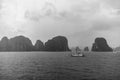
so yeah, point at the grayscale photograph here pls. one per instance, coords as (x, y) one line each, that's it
(59, 39)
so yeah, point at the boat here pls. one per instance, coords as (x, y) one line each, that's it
(77, 55)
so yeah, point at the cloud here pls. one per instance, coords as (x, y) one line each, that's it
(63, 9)
(113, 3)
(47, 10)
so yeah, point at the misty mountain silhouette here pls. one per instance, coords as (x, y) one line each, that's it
(39, 46)
(100, 44)
(86, 49)
(59, 43)
(117, 49)
(22, 43)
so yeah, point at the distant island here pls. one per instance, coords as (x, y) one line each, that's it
(22, 43)
(58, 43)
(100, 45)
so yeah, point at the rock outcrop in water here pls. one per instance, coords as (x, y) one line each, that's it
(21, 43)
(117, 49)
(18, 43)
(86, 49)
(100, 44)
(4, 44)
(39, 46)
(59, 43)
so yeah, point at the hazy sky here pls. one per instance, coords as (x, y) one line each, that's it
(81, 21)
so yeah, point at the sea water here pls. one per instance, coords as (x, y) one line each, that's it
(59, 66)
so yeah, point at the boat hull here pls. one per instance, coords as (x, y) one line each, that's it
(77, 55)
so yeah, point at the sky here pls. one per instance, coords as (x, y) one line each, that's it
(81, 21)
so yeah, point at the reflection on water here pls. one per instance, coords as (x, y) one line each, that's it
(59, 66)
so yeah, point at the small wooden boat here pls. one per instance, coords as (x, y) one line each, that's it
(77, 55)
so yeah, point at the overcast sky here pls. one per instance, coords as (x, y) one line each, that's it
(81, 21)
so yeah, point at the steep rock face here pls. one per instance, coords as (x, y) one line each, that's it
(100, 44)
(20, 43)
(39, 46)
(4, 44)
(59, 43)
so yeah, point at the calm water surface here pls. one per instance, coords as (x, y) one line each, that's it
(59, 66)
